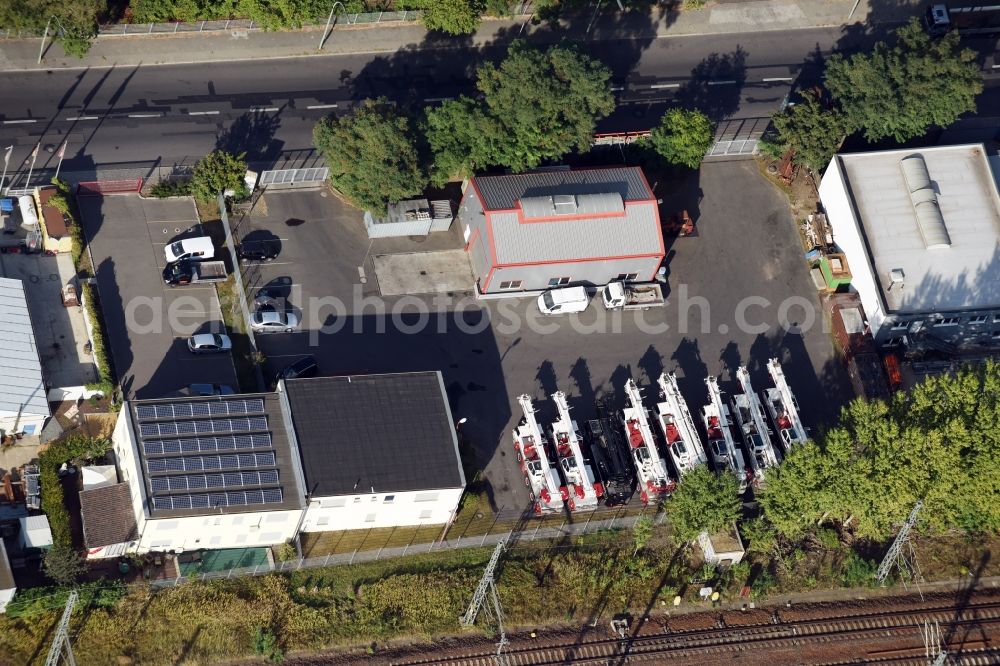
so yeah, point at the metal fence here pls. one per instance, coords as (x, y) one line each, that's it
(229, 25)
(491, 538)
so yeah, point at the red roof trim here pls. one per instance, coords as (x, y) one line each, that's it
(654, 255)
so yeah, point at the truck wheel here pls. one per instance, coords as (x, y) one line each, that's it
(527, 482)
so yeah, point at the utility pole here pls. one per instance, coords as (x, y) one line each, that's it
(895, 554)
(934, 647)
(61, 640)
(487, 585)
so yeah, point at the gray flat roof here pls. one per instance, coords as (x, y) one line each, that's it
(959, 274)
(21, 384)
(390, 433)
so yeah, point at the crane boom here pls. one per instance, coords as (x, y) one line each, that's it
(796, 432)
(583, 491)
(540, 475)
(762, 449)
(652, 471)
(683, 443)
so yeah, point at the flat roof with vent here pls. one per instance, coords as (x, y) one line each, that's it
(933, 214)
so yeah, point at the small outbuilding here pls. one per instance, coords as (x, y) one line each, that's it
(723, 548)
(23, 405)
(35, 533)
(557, 227)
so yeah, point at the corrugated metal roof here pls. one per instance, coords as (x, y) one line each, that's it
(502, 192)
(20, 370)
(571, 204)
(637, 233)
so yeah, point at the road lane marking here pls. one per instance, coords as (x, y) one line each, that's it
(778, 78)
(658, 86)
(264, 109)
(203, 113)
(82, 118)
(324, 106)
(145, 115)
(19, 122)
(617, 88)
(722, 83)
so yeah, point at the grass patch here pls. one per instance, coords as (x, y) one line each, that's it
(244, 357)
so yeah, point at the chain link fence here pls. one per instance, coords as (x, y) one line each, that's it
(520, 534)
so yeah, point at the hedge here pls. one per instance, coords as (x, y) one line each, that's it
(105, 383)
(53, 501)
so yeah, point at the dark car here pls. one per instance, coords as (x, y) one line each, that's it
(179, 272)
(304, 367)
(263, 250)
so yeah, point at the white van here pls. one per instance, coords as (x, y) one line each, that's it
(190, 248)
(566, 300)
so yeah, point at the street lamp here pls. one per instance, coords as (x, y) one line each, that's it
(329, 18)
(45, 34)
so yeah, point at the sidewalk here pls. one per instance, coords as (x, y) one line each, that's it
(717, 18)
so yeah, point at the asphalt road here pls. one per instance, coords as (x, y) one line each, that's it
(177, 113)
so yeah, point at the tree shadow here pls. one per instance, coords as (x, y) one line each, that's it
(253, 133)
(716, 84)
(651, 365)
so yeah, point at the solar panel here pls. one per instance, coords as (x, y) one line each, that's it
(171, 410)
(205, 444)
(168, 428)
(203, 463)
(204, 501)
(159, 484)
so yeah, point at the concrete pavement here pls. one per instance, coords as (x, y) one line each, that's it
(716, 18)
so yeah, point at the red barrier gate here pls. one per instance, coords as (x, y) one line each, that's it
(99, 187)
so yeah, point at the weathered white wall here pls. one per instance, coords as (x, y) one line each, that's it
(358, 512)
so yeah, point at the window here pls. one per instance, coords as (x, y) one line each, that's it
(370, 518)
(425, 514)
(374, 498)
(322, 521)
(388, 499)
(357, 500)
(426, 497)
(996, 319)
(510, 284)
(270, 537)
(29, 429)
(627, 277)
(237, 520)
(996, 335)
(900, 325)
(894, 342)
(558, 282)
(948, 321)
(333, 503)
(276, 517)
(241, 538)
(215, 541)
(979, 319)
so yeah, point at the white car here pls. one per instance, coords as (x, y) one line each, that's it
(270, 320)
(209, 343)
(565, 300)
(199, 249)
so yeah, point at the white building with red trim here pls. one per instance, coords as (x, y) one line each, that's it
(550, 228)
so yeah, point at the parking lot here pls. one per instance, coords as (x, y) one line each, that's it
(147, 322)
(491, 351)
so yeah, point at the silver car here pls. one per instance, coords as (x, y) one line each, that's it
(209, 343)
(270, 320)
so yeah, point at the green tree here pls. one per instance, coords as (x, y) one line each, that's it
(545, 103)
(461, 137)
(217, 172)
(900, 91)
(642, 532)
(278, 14)
(812, 129)
(703, 501)
(455, 17)
(683, 137)
(72, 23)
(372, 155)
(63, 564)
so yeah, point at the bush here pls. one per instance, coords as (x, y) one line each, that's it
(829, 538)
(105, 371)
(34, 601)
(856, 571)
(171, 188)
(286, 552)
(71, 448)
(217, 172)
(63, 564)
(265, 644)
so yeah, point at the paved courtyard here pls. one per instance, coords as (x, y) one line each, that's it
(147, 322)
(730, 288)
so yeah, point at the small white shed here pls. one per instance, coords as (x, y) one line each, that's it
(35, 532)
(724, 548)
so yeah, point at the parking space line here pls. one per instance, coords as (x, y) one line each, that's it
(264, 109)
(777, 78)
(20, 122)
(203, 113)
(75, 118)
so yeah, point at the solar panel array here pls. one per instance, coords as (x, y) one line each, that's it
(208, 454)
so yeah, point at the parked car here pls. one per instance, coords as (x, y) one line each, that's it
(209, 343)
(189, 248)
(210, 389)
(187, 271)
(273, 320)
(565, 300)
(258, 250)
(304, 367)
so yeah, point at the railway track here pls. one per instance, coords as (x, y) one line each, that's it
(718, 643)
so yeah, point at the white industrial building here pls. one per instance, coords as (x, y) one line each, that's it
(377, 450)
(212, 472)
(8, 588)
(23, 406)
(921, 231)
(322, 454)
